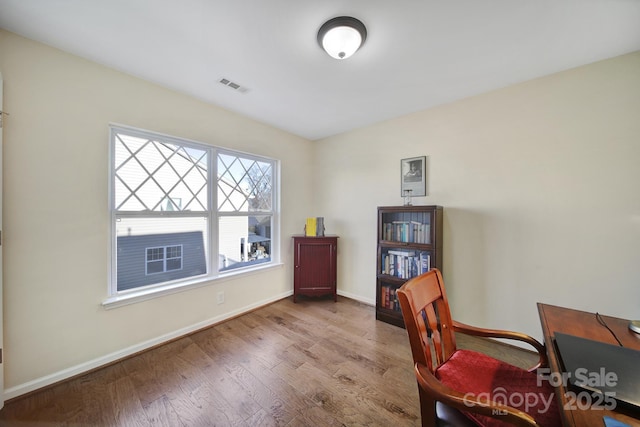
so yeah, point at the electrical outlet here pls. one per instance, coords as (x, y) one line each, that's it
(221, 297)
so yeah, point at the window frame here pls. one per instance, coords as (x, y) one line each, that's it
(212, 215)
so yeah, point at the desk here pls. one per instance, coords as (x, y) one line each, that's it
(584, 324)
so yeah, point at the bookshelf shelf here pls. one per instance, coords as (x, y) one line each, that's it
(409, 244)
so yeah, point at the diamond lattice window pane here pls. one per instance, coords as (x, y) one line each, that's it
(154, 175)
(151, 155)
(194, 179)
(126, 147)
(121, 192)
(132, 204)
(132, 174)
(151, 195)
(244, 185)
(166, 177)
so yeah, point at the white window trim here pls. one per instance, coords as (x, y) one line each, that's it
(117, 298)
(143, 294)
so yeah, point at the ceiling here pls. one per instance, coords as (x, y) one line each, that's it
(418, 53)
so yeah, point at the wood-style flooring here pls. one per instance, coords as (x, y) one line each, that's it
(314, 363)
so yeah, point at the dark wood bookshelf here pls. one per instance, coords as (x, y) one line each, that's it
(409, 244)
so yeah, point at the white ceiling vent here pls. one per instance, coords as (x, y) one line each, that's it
(233, 85)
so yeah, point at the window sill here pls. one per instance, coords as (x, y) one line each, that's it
(135, 296)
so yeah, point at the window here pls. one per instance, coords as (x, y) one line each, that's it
(163, 259)
(184, 212)
(244, 202)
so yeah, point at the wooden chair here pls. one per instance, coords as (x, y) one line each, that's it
(453, 381)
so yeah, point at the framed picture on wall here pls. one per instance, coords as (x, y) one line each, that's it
(412, 179)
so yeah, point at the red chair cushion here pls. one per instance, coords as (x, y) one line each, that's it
(488, 378)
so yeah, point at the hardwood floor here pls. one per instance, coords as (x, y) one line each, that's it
(314, 363)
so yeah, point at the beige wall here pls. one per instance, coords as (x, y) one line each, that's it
(540, 184)
(56, 218)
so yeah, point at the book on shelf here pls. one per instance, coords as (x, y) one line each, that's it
(425, 262)
(387, 297)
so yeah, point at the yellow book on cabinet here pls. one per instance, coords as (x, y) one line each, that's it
(310, 228)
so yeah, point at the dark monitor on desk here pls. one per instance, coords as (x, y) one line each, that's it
(609, 370)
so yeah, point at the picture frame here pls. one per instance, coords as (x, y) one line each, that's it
(413, 176)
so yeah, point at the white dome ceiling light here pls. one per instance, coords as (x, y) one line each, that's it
(342, 36)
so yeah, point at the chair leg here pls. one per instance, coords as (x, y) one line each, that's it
(427, 409)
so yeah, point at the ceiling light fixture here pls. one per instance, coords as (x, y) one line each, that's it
(341, 37)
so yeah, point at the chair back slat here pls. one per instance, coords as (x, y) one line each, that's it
(427, 319)
(436, 339)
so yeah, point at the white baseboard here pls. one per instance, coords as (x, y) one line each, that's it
(358, 298)
(64, 374)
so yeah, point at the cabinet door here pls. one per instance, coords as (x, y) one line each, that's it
(315, 264)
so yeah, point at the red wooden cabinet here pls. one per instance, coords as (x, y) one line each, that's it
(315, 261)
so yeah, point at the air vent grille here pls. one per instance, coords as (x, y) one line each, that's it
(233, 85)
